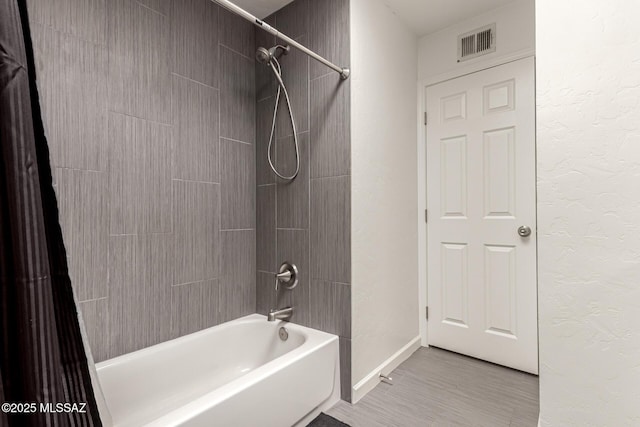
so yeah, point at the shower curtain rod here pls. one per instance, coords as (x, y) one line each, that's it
(344, 72)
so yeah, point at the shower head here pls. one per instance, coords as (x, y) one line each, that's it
(265, 56)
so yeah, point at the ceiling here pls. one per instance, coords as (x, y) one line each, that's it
(422, 16)
(429, 16)
(261, 8)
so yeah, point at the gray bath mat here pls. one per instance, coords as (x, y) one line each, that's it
(324, 420)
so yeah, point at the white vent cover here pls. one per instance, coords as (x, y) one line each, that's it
(477, 42)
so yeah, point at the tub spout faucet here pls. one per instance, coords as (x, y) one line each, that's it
(282, 314)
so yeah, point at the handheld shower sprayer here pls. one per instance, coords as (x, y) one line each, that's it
(270, 57)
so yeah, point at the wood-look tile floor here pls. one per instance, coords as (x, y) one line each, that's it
(438, 388)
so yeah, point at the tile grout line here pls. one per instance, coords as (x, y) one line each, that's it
(218, 314)
(236, 140)
(140, 118)
(194, 181)
(275, 192)
(94, 300)
(230, 49)
(152, 10)
(330, 177)
(310, 309)
(77, 169)
(265, 99)
(322, 76)
(278, 138)
(173, 73)
(197, 282)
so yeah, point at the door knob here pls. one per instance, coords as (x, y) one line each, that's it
(524, 231)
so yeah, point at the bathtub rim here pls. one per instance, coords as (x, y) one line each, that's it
(251, 318)
(314, 340)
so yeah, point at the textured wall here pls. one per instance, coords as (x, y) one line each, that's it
(384, 187)
(589, 235)
(308, 222)
(149, 107)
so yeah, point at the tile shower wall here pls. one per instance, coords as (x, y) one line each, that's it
(149, 107)
(307, 222)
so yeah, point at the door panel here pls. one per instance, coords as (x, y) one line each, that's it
(454, 177)
(482, 285)
(455, 293)
(499, 177)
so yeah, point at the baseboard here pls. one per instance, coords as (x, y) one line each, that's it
(369, 382)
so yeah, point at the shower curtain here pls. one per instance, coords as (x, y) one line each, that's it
(44, 373)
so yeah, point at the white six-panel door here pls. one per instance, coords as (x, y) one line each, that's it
(481, 188)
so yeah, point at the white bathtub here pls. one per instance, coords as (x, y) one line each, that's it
(236, 374)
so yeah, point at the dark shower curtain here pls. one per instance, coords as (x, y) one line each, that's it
(42, 357)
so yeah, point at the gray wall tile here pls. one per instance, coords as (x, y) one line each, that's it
(237, 185)
(313, 215)
(238, 274)
(331, 309)
(295, 71)
(143, 48)
(293, 198)
(131, 103)
(140, 83)
(84, 217)
(194, 37)
(345, 369)
(264, 119)
(194, 307)
(265, 83)
(293, 19)
(237, 97)
(196, 232)
(140, 272)
(73, 80)
(85, 19)
(96, 321)
(237, 33)
(329, 34)
(139, 175)
(331, 229)
(160, 6)
(266, 228)
(195, 131)
(293, 246)
(266, 299)
(265, 292)
(330, 127)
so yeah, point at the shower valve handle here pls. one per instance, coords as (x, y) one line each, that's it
(288, 276)
(284, 277)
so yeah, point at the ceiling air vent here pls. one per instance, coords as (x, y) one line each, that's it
(477, 42)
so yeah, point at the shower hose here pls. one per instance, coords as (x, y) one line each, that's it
(277, 70)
